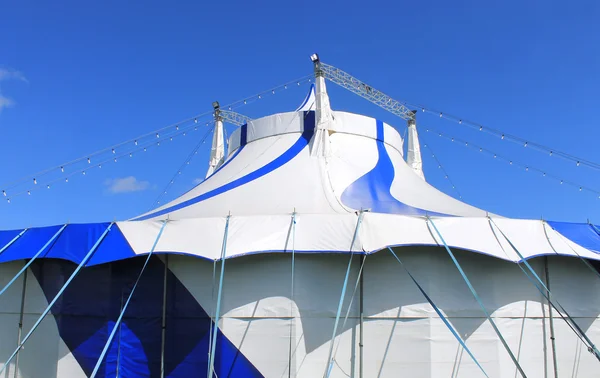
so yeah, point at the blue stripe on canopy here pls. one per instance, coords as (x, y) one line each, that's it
(583, 234)
(72, 244)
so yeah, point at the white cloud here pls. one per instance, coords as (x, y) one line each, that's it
(10, 74)
(126, 185)
(5, 102)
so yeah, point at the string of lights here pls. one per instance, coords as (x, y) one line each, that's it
(178, 128)
(513, 162)
(113, 159)
(441, 167)
(508, 137)
(180, 170)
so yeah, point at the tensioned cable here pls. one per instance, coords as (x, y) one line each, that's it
(548, 295)
(350, 304)
(564, 240)
(441, 167)
(60, 292)
(211, 361)
(439, 312)
(88, 157)
(330, 359)
(31, 260)
(180, 169)
(13, 240)
(509, 137)
(513, 162)
(120, 318)
(476, 296)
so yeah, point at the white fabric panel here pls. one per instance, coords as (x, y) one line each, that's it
(45, 354)
(203, 237)
(360, 125)
(410, 189)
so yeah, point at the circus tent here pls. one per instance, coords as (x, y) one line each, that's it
(313, 248)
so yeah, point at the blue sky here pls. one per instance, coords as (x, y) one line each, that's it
(76, 77)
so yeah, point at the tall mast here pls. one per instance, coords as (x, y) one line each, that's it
(413, 154)
(217, 151)
(324, 115)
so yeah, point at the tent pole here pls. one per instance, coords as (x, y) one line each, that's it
(293, 231)
(20, 331)
(360, 335)
(552, 338)
(60, 292)
(164, 319)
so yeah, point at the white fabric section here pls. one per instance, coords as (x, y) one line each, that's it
(217, 151)
(203, 237)
(410, 189)
(360, 125)
(473, 234)
(401, 330)
(413, 153)
(45, 354)
(309, 101)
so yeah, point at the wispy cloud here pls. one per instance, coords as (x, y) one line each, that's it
(126, 185)
(9, 74)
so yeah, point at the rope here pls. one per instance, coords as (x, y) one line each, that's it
(180, 169)
(341, 303)
(512, 162)
(60, 292)
(548, 295)
(219, 296)
(509, 137)
(440, 166)
(28, 264)
(12, 241)
(178, 128)
(468, 282)
(584, 260)
(439, 312)
(120, 318)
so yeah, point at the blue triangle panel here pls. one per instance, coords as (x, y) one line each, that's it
(91, 305)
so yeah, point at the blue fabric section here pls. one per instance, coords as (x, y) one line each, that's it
(30, 243)
(114, 247)
(312, 88)
(90, 306)
(73, 244)
(372, 191)
(580, 233)
(244, 135)
(7, 236)
(289, 154)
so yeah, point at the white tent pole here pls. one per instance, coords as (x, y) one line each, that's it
(60, 292)
(120, 318)
(551, 320)
(211, 362)
(52, 239)
(361, 319)
(164, 319)
(293, 229)
(330, 357)
(20, 331)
